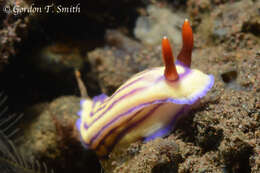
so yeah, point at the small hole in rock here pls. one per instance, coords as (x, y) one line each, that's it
(165, 168)
(229, 76)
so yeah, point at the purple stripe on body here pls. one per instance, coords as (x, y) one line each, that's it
(100, 98)
(114, 129)
(92, 107)
(131, 126)
(118, 101)
(125, 114)
(115, 102)
(126, 86)
(119, 90)
(86, 125)
(110, 148)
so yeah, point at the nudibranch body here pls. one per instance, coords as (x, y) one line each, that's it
(147, 105)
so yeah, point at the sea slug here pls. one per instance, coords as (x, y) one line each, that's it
(147, 105)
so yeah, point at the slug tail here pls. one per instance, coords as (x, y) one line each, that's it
(93, 105)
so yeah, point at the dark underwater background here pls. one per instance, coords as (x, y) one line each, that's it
(107, 42)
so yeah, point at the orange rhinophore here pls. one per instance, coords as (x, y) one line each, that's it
(170, 71)
(187, 38)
